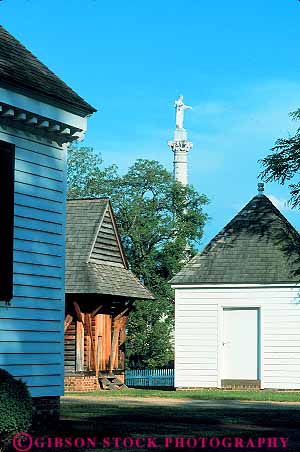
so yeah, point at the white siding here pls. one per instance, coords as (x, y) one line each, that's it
(31, 328)
(198, 335)
(196, 342)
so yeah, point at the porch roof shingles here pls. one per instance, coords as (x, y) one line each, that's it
(258, 246)
(83, 276)
(104, 279)
(22, 71)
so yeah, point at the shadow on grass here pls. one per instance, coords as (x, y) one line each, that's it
(117, 418)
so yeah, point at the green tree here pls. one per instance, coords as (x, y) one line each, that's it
(86, 174)
(160, 222)
(283, 164)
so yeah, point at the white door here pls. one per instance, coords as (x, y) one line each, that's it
(240, 345)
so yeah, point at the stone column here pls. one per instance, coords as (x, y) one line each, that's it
(180, 147)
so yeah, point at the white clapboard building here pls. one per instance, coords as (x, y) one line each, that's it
(39, 116)
(238, 305)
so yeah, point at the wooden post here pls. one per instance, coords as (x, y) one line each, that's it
(122, 342)
(90, 333)
(78, 312)
(104, 331)
(107, 338)
(88, 353)
(99, 352)
(114, 345)
(100, 323)
(80, 345)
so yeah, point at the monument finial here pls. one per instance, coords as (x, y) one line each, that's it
(260, 188)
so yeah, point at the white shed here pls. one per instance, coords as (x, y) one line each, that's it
(39, 116)
(238, 305)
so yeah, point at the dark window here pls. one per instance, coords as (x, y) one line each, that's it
(7, 166)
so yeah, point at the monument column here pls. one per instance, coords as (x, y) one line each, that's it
(180, 145)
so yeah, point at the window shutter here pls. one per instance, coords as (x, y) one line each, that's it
(7, 166)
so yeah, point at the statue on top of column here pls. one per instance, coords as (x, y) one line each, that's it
(180, 107)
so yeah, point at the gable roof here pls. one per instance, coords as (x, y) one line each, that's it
(258, 246)
(95, 259)
(23, 72)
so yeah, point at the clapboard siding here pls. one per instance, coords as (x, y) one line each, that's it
(36, 202)
(38, 269)
(39, 170)
(35, 259)
(31, 347)
(34, 235)
(48, 161)
(27, 324)
(38, 225)
(35, 369)
(28, 336)
(38, 380)
(194, 334)
(37, 292)
(38, 181)
(29, 359)
(30, 303)
(192, 295)
(197, 337)
(28, 247)
(50, 282)
(281, 334)
(31, 329)
(38, 214)
(30, 313)
(33, 190)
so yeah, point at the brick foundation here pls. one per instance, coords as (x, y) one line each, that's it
(81, 383)
(45, 410)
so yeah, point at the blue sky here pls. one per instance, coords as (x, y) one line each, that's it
(235, 62)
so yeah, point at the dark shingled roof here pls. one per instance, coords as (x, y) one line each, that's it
(83, 273)
(24, 73)
(259, 246)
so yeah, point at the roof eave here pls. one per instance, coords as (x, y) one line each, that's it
(80, 110)
(97, 293)
(235, 284)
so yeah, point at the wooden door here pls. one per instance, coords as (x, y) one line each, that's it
(240, 344)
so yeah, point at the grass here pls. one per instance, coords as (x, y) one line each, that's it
(203, 394)
(127, 413)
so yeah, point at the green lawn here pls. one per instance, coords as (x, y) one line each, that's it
(204, 394)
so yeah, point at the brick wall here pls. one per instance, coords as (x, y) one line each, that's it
(81, 383)
(45, 410)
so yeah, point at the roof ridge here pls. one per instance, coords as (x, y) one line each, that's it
(274, 208)
(259, 245)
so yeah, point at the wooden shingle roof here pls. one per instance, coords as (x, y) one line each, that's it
(95, 259)
(258, 246)
(21, 71)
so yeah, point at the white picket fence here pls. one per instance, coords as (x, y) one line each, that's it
(149, 377)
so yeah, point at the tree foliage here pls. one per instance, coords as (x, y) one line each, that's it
(160, 222)
(283, 163)
(85, 173)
